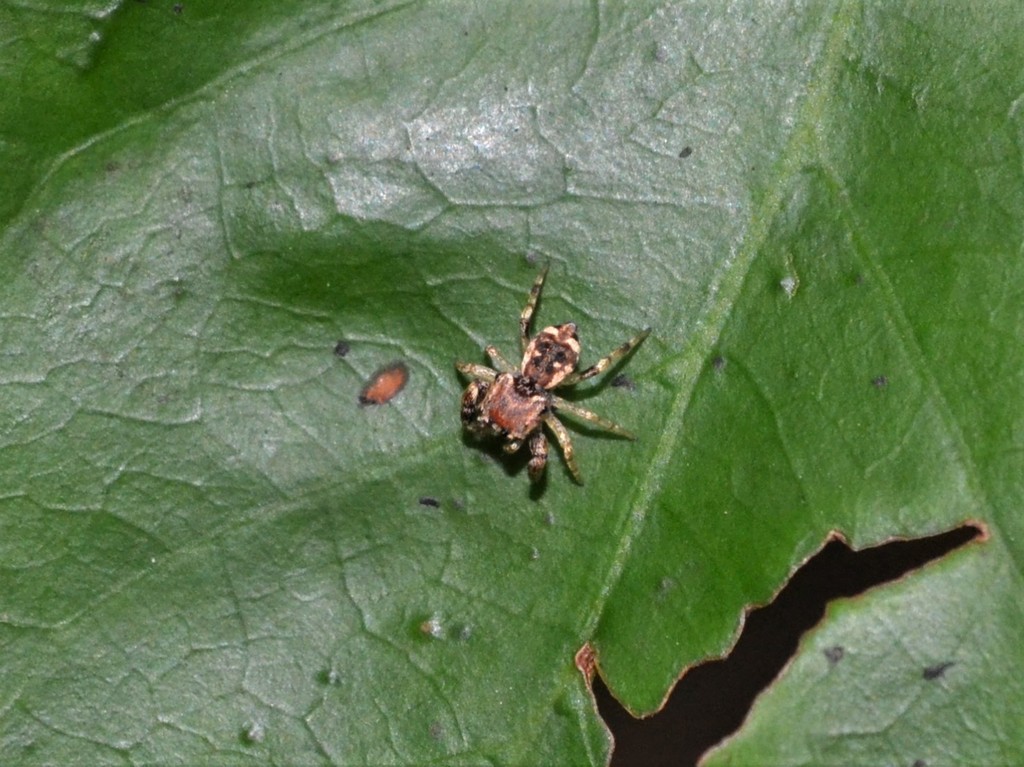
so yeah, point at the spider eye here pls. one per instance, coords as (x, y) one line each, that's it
(513, 445)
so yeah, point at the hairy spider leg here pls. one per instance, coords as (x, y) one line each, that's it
(499, 361)
(531, 304)
(566, 444)
(564, 406)
(538, 455)
(607, 361)
(473, 370)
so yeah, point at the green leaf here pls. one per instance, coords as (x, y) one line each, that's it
(210, 552)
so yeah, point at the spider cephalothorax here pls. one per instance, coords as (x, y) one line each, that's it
(514, 404)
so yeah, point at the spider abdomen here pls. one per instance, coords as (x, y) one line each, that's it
(553, 354)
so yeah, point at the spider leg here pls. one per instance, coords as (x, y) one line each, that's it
(564, 406)
(566, 444)
(473, 370)
(499, 361)
(607, 361)
(538, 455)
(531, 305)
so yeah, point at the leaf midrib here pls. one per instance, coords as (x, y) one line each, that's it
(686, 368)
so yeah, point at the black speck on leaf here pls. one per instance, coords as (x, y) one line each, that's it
(622, 381)
(931, 673)
(834, 654)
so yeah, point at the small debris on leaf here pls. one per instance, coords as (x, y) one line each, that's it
(622, 381)
(432, 627)
(834, 654)
(931, 673)
(385, 384)
(254, 732)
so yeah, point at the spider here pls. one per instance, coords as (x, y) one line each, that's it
(514, 404)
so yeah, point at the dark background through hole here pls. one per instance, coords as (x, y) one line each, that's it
(712, 699)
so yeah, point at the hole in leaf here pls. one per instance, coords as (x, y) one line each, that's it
(711, 700)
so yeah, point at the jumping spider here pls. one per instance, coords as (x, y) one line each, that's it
(514, 404)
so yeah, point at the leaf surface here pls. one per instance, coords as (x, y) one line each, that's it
(211, 552)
